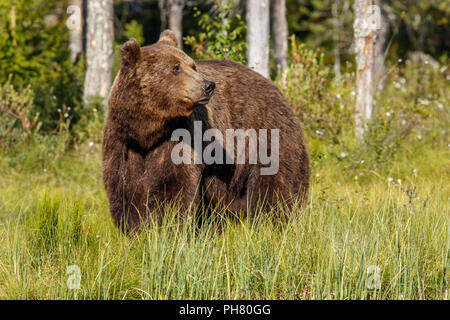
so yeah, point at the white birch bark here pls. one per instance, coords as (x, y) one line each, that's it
(99, 49)
(163, 13)
(176, 19)
(258, 35)
(380, 48)
(75, 25)
(280, 34)
(337, 28)
(365, 24)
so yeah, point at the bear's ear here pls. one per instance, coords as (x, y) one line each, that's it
(130, 52)
(169, 38)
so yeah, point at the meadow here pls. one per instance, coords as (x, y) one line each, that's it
(375, 226)
(58, 217)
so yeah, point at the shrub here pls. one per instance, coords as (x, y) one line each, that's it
(18, 117)
(222, 36)
(20, 134)
(318, 101)
(35, 54)
(410, 107)
(408, 111)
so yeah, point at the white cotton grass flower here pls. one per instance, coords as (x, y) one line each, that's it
(344, 154)
(415, 172)
(388, 114)
(353, 93)
(419, 137)
(319, 132)
(424, 102)
(91, 144)
(338, 96)
(362, 161)
(395, 183)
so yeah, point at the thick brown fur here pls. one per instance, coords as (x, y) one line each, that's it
(159, 89)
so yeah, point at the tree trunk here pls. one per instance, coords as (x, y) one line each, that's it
(337, 28)
(280, 34)
(13, 25)
(380, 48)
(99, 49)
(176, 20)
(258, 30)
(364, 27)
(75, 25)
(163, 14)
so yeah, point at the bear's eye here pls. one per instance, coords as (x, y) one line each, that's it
(195, 68)
(177, 69)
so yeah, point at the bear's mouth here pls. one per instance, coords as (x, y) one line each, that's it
(202, 101)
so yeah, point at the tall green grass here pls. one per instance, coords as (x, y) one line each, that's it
(52, 219)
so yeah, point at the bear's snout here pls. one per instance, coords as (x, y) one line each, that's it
(208, 88)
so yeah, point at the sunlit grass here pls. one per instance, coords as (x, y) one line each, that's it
(52, 219)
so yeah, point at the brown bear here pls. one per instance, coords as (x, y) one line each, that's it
(160, 90)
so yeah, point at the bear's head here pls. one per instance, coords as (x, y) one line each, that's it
(155, 84)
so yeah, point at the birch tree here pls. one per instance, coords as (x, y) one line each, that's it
(99, 49)
(280, 34)
(364, 27)
(258, 35)
(162, 5)
(337, 27)
(176, 19)
(380, 46)
(75, 25)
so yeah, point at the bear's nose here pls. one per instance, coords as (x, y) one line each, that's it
(208, 87)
